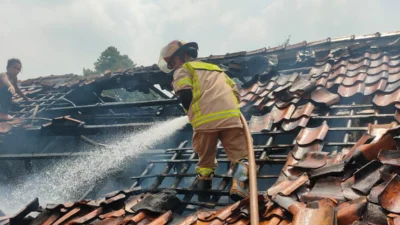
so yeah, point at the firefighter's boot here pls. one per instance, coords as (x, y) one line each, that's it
(204, 183)
(240, 181)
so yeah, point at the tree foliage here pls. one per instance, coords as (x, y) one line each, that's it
(110, 59)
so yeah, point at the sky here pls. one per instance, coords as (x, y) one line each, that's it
(64, 36)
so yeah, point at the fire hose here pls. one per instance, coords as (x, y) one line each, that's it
(253, 193)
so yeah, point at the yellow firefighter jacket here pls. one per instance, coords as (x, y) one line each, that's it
(215, 96)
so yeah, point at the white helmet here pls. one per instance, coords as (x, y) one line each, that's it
(168, 51)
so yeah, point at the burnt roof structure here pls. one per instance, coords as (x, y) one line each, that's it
(309, 107)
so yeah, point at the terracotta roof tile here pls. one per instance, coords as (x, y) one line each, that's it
(300, 151)
(394, 62)
(321, 82)
(163, 219)
(348, 212)
(340, 71)
(354, 73)
(284, 79)
(375, 192)
(303, 110)
(312, 212)
(320, 71)
(312, 160)
(345, 91)
(370, 79)
(309, 135)
(302, 86)
(323, 96)
(390, 196)
(367, 177)
(374, 214)
(384, 99)
(261, 123)
(279, 114)
(289, 125)
(392, 86)
(288, 186)
(327, 187)
(349, 81)
(348, 192)
(378, 86)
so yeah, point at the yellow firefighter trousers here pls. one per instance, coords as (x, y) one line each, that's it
(205, 145)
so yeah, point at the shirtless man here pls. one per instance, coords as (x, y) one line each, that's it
(8, 87)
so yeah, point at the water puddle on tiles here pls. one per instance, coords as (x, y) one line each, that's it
(70, 178)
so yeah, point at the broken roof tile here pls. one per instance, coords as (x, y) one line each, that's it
(348, 212)
(323, 96)
(327, 187)
(312, 160)
(367, 176)
(323, 214)
(287, 186)
(390, 196)
(385, 99)
(261, 123)
(309, 135)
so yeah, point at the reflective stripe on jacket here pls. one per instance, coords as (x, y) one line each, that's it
(215, 96)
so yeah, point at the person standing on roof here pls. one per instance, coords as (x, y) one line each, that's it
(210, 99)
(8, 87)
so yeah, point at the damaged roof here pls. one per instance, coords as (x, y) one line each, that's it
(312, 109)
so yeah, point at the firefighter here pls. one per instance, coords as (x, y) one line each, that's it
(8, 87)
(210, 99)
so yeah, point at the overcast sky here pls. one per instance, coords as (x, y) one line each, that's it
(63, 36)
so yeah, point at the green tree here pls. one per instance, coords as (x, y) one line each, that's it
(111, 59)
